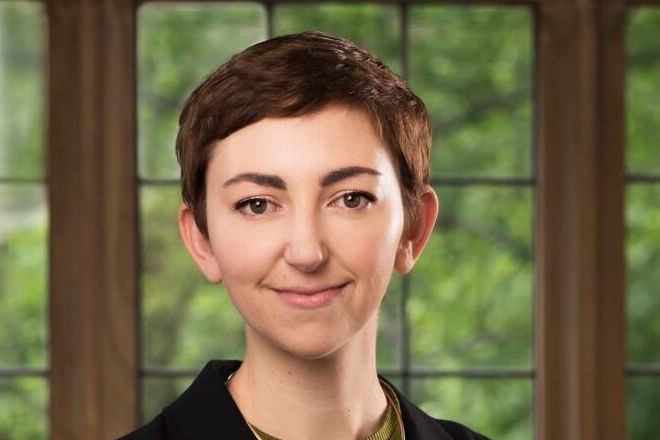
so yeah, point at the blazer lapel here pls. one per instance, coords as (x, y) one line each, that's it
(419, 425)
(206, 410)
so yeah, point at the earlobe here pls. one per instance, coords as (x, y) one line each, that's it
(414, 239)
(198, 245)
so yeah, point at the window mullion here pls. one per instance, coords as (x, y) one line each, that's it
(580, 248)
(91, 167)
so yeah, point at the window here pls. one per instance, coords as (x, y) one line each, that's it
(643, 223)
(531, 144)
(23, 224)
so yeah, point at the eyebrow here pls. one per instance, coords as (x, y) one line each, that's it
(258, 178)
(344, 173)
(277, 182)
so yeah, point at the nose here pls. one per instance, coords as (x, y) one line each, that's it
(305, 248)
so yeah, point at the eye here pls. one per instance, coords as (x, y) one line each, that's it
(255, 206)
(354, 200)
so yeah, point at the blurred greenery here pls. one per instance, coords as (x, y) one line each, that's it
(23, 404)
(21, 81)
(643, 407)
(374, 27)
(471, 295)
(472, 66)
(643, 219)
(23, 275)
(23, 221)
(178, 45)
(471, 301)
(643, 91)
(507, 414)
(643, 254)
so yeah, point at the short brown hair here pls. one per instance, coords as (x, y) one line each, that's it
(295, 75)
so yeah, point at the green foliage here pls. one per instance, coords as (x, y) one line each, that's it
(643, 258)
(23, 275)
(178, 45)
(643, 91)
(23, 231)
(374, 27)
(21, 82)
(23, 404)
(472, 66)
(500, 408)
(643, 407)
(643, 219)
(471, 300)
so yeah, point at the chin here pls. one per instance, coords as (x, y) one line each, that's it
(312, 347)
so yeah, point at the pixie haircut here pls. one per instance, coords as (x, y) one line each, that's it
(296, 75)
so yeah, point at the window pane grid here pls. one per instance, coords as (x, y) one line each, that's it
(643, 370)
(642, 178)
(642, 221)
(19, 372)
(24, 229)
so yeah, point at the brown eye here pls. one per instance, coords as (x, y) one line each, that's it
(352, 200)
(258, 206)
(255, 206)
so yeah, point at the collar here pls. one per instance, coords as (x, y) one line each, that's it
(206, 410)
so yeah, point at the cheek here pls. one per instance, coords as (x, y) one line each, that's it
(243, 254)
(370, 247)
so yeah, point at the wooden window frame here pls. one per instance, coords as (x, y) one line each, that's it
(580, 266)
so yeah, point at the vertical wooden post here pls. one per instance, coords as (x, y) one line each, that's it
(610, 303)
(580, 235)
(91, 168)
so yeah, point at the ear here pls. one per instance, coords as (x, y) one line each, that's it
(198, 245)
(417, 235)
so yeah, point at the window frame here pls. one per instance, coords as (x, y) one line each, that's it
(579, 255)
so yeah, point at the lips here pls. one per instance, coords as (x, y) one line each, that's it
(309, 297)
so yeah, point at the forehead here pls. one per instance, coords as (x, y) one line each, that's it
(331, 137)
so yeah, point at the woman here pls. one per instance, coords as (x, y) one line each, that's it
(305, 180)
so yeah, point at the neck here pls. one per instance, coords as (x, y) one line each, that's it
(335, 396)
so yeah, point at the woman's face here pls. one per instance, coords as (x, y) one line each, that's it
(305, 219)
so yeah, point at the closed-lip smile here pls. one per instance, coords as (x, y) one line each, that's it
(309, 297)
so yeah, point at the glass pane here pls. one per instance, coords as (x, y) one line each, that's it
(390, 327)
(178, 45)
(23, 275)
(472, 66)
(643, 91)
(374, 27)
(23, 408)
(499, 409)
(643, 408)
(471, 296)
(185, 320)
(643, 255)
(22, 84)
(157, 393)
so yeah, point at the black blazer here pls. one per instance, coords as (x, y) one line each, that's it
(206, 411)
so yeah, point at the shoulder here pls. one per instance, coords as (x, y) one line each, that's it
(205, 410)
(421, 426)
(459, 431)
(154, 430)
